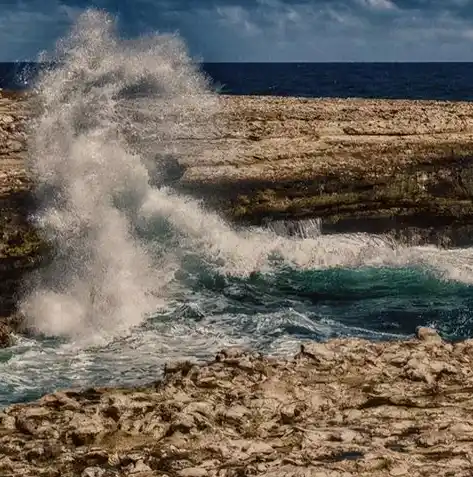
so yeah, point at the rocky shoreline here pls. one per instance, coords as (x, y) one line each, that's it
(396, 167)
(337, 409)
(342, 408)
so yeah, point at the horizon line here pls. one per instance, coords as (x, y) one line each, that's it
(286, 62)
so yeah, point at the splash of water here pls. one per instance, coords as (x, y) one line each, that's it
(112, 112)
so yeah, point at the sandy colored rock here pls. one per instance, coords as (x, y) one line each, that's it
(278, 139)
(343, 408)
(382, 166)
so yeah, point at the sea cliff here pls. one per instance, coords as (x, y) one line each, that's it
(383, 166)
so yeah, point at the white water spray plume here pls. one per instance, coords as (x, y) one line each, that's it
(112, 112)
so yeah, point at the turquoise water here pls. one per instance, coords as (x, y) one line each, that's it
(366, 301)
(270, 312)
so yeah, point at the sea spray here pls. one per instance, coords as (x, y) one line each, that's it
(110, 111)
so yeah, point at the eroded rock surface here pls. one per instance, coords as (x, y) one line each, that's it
(344, 408)
(383, 166)
(20, 247)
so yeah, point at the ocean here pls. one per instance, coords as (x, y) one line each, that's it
(143, 275)
(439, 81)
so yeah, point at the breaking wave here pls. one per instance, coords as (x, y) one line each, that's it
(112, 113)
(141, 274)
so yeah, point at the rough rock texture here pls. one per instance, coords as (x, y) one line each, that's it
(20, 247)
(13, 117)
(360, 165)
(344, 408)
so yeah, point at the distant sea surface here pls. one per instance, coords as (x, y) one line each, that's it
(440, 81)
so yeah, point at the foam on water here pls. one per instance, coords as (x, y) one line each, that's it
(123, 277)
(34, 367)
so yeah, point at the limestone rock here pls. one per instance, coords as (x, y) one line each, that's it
(347, 407)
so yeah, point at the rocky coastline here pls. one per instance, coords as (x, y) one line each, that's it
(341, 408)
(383, 166)
(338, 409)
(396, 167)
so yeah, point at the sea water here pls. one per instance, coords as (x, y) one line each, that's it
(142, 275)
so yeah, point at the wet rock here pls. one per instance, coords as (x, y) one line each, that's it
(6, 338)
(356, 165)
(428, 335)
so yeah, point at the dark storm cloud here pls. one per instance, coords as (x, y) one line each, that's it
(263, 30)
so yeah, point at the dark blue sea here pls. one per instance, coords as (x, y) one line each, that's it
(440, 81)
(220, 286)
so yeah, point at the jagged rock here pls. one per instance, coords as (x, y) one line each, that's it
(428, 334)
(347, 407)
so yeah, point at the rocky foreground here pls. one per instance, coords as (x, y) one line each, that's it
(344, 408)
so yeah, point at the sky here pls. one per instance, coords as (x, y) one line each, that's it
(261, 30)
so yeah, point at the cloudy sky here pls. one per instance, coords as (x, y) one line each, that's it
(262, 30)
